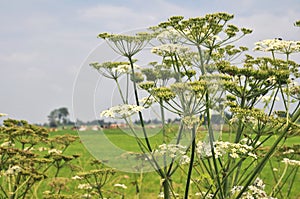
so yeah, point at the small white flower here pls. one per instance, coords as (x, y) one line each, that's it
(198, 194)
(289, 151)
(259, 183)
(107, 113)
(76, 178)
(84, 186)
(122, 111)
(123, 186)
(185, 159)
(13, 170)
(7, 144)
(252, 155)
(236, 189)
(46, 192)
(51, 151)
(291, 162)
(234, 155)
(161, 195)
(125, 68)
(87, 195)
(42, 149)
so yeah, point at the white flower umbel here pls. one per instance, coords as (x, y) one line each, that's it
(174, 151)
(169, 49)
(121, 111)
(235, 150)
(84, 186)
(125, 68)
(256, 190)
(291, 162)
(169, 35)
(278, 46)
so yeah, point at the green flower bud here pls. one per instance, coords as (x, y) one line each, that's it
(146, 85)
(163, 93)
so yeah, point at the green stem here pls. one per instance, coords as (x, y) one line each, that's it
(120, 91)
(138, 103)
(284, 182)
(189, 175)
(166, 186)
(279, 180)
(292, 182)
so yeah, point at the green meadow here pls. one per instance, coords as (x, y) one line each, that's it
(147, 184)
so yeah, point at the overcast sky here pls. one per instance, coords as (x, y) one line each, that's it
(46, 44)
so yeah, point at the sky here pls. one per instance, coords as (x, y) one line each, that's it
(46, 45)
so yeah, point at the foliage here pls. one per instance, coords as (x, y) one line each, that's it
(58, 116)
(197, 76)
(29, 156)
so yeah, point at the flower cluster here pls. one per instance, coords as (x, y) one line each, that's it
(235, 150)
(13, 170)
(174, 151)
(278, 46)
(7, 144)
(169, 35)
(127, 45)
(54, 151)
(169, 49)
(147, 85)
(121, 111)
(256, 190)
(163, 93)
(291, 162)
(125, 68)
(113, 70)
(84, 186)
(191, 121)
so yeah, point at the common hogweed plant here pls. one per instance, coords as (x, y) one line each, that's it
(28, 156)
(197, 72)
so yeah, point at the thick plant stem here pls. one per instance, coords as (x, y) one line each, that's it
(138, 103)
(166, 187)
(189, 175)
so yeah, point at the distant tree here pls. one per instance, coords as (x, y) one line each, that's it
(58, 116)
(63, 115)
(53, 118)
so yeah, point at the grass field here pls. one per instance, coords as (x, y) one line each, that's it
(148, 184)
